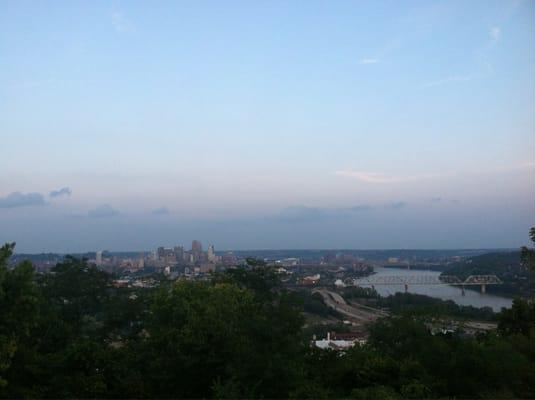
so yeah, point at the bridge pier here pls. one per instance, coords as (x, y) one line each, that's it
(406, 288)
(462, 290)
(483, 288)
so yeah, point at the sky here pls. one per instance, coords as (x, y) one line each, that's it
(126, 125)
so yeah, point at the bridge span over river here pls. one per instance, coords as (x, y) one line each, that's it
(427, 280)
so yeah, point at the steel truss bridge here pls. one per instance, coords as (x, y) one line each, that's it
(427, 280)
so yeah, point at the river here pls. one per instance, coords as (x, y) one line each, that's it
(444, 292)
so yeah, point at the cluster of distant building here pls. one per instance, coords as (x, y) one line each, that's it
(169, 260)
(196, 258)
(179, 261)
(295, 268)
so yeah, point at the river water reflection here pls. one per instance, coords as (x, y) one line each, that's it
(471, 297)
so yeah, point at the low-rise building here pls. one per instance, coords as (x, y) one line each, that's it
(311, 280)
(339, 341)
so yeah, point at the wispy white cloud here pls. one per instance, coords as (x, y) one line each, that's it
(495, 33)
(485, 71)
(369, 61)
(528, 164)
(396, 205)
(309, 214)
(33, 83)
(103, 211)
(511, 168)
(160, 211)
(120, 22)
(449, 79)
(379, 178)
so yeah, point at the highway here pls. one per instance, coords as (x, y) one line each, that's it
(354, 312)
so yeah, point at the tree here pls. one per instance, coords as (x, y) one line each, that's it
(206, 339)
(19, 298)
(77, 288)
(519, 319)
(527, 254)
(260, 279)
(379, 392)
(69, 350)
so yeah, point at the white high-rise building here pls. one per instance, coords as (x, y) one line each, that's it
(211, 253)
(98, 258)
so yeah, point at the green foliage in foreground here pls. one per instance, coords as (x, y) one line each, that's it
(71, 334)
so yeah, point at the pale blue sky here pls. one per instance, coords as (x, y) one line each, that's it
(267, 124)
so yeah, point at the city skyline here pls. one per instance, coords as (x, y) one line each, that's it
(267, 125)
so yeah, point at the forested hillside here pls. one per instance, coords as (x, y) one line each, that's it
(518, 280)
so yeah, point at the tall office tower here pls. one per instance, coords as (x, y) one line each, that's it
(196, 247)
(98, 258)
(161, 253)
(185, 256)
(211, 253)
(179, 253)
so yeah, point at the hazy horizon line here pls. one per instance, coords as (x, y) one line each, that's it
(293, 249)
